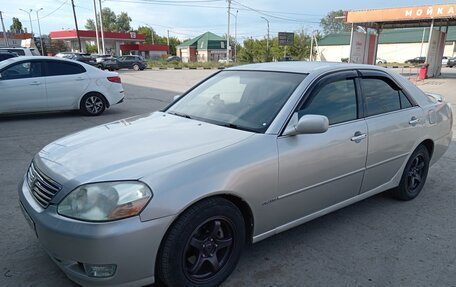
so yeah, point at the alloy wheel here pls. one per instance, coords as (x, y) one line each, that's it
(208, 249)
(415, 173)
(94, 104)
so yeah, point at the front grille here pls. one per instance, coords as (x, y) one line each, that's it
(42, 187)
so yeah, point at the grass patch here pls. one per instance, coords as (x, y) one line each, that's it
(162, 64)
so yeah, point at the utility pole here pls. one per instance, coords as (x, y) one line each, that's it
(267, 40)
(235, 37)
(39, 30)
(228, 34)
(151, 33)
(96, 25)
(168, 42)
(102, 31)
(311, 47)
(30, 18)
(4, 31)
(76, 24)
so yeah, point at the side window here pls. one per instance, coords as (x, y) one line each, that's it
(336, 100)
(19, 52)
(382, 96)
(22, 70)
(58, 68)
(405, 103)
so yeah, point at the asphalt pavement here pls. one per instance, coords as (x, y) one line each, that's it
(376, 242)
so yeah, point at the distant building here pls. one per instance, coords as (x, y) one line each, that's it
(204, 48)
(113, 40)
(397, 45)
(153, 51)
(15, 40)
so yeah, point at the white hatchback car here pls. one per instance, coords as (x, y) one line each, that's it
(30, 84)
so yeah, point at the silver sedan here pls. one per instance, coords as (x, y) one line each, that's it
(250, 152)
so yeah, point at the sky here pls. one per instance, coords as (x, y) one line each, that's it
(188, 19)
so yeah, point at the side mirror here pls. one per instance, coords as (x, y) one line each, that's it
(307, 124)
(176, 97)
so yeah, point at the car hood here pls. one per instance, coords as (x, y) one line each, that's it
(132, 148)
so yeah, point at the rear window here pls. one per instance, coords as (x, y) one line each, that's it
(19, 52)
(58, 68)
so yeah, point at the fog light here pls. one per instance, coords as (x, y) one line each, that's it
(100, 270)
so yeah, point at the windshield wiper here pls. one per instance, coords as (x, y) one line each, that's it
(233, 126)
(180, 115)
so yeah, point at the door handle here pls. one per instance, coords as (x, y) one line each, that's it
(413, 121)
(358, 136)
(80, 79)
(35, 83)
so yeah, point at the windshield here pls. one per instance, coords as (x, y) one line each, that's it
(245, 100)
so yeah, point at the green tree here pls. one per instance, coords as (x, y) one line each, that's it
(148, 32)
(331, 24)
(123, 22)
(111, 21)
(91, 49)
(16, 27)
(90, 24)
(57, 46)
(255, 50)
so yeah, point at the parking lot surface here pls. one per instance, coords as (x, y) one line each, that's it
(376, 242)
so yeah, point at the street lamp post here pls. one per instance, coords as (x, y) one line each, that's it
(39, 30)
(30, 18)
(101, 28)
(228, 34)
(235, 35)
(267, 40)
(96, 26)
(151, 33)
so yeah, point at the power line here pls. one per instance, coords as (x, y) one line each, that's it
(55, 10)
(167, 4)
(187, 1)
(270, 15)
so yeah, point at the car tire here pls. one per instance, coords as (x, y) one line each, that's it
(92, 104)
(414, 175)
(136, 67)
(203, 246)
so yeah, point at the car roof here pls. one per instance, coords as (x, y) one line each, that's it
(25, 58)
(304, 67)
(316, 69)
(21, 48)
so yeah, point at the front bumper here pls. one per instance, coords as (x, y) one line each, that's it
(130, 244)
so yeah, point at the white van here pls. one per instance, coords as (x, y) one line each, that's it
(22, 51)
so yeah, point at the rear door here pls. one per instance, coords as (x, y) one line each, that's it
(66, 83)
(22, 87)
(123, 62)
(394, 122)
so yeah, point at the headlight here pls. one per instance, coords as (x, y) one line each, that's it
(105, 201)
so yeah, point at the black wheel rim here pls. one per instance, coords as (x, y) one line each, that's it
(416, 173)
(208, 249)
(94, 104)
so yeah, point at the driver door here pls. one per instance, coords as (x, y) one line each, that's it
(317, 171)
(23, 87)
